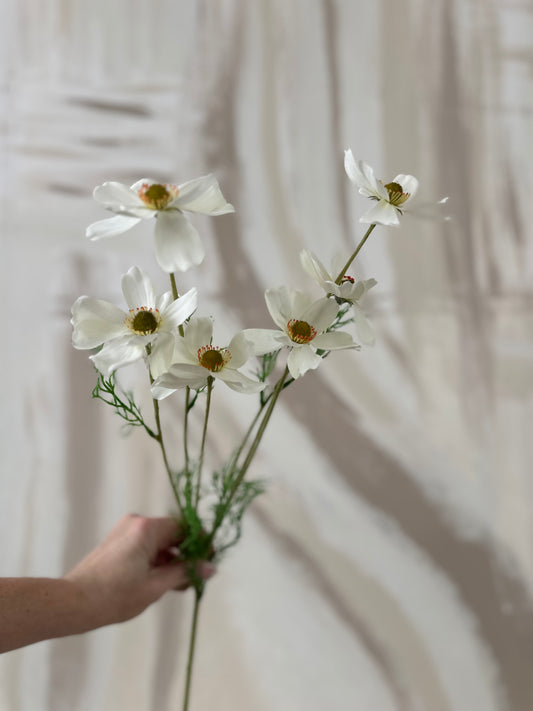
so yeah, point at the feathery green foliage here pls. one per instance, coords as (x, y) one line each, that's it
(107, 390)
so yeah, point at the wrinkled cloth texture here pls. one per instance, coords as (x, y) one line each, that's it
(389, 565)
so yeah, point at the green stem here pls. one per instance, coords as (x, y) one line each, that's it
(159, 438)
(238, 453)
(181, 331)
(173, 286)
(210, 381)
(354, 255)
(186, 428)
(192, 642)
(251, 452)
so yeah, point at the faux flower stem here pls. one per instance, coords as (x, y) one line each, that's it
(192, 642)
(354, 255)
(186, 427)
(210, 381)
(159, 438)
(175, 295)
(249, 431)
(251, 452)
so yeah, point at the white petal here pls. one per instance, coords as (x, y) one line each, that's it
(409, 185)
(239, 382)
(376, 187)
(334, 341)
(180, 310)
(163, 301)
(179, 376)
(369, 283)
(111, 226)
(284, 304)
(383, 213)
(202, 195)
(362, 175)
(159, 392)
(182, 353)
(301, 359)
(178, 245)
(141, 213)
(114, 195)
(116, 354)
(321, 314)
(161, 356)
(95, 322)
(241, 349)
(314, 267)
(352, 171)
(279, 305)
(266, 340)
(138, 289)
(198, 333)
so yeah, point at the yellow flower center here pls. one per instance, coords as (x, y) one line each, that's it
(157, 196)
(213, 358)
(396, 195)
(143, 321)
(300, 331)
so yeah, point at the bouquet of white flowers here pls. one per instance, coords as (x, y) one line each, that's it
(176, 345)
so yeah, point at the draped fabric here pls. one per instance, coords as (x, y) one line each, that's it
(389, 565)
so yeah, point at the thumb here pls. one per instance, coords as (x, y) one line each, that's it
(169, 576)
(175, 576)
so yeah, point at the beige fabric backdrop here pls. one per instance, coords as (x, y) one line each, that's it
(389, 566)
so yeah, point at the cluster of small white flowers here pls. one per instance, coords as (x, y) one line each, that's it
(178, 346)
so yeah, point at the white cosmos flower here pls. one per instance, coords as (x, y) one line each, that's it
(194, 359)
(151, 320)
(390, 198)
(303, 325)
(177, 243)
(349, 290)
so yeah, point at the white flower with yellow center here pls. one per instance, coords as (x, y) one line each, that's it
(303, 324)
(195, 359)
(390, 198)
(177, 243)
(349, 290)
(151, 322)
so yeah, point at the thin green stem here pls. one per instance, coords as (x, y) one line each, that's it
(238, 453)
(354, 255)
(186, 427)
(210, 381)
(251, 452)
(175, 293)
(192, 644)
(159, 438)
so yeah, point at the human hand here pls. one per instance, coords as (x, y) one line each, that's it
(132, 568)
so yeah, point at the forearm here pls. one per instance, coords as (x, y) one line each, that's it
(34, 609)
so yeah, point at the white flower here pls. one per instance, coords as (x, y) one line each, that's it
(390, 198)
(194, 360)
(177, 243)
(150, 321)
(303, 325)
(348, 290)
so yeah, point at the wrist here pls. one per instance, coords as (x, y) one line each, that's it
(88, 610)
